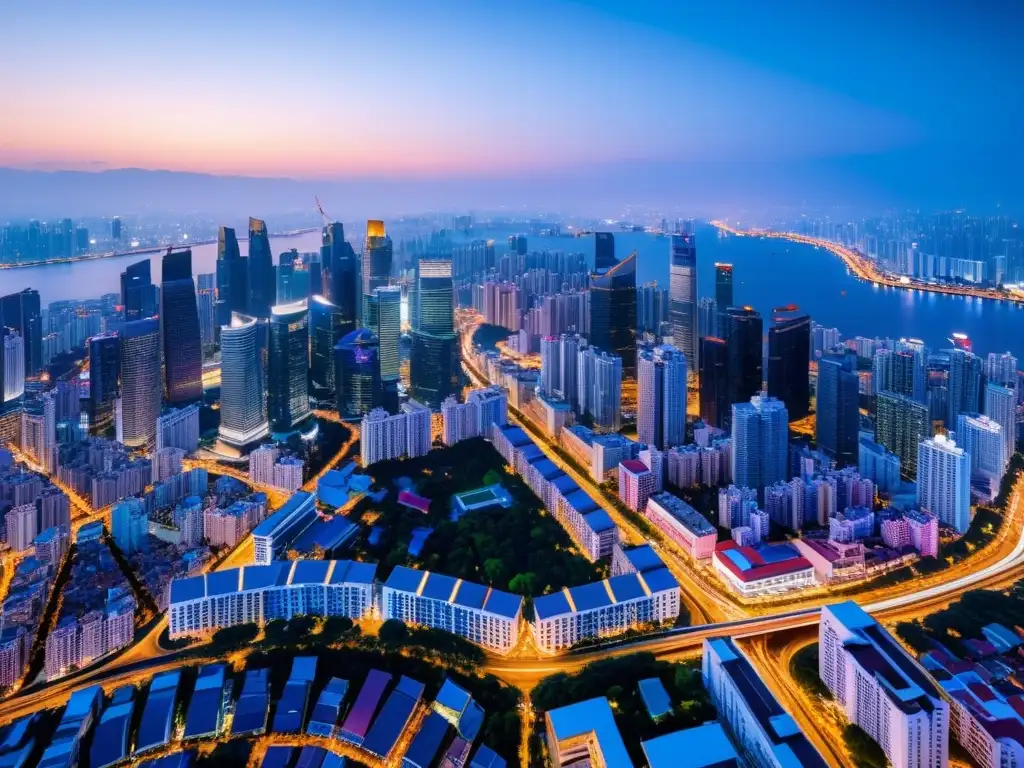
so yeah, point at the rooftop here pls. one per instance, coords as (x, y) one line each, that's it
(455, 591)
(704, 746)
(278, 574)
(600, 594)
(592, 718)
(634, 466)
(687, 516)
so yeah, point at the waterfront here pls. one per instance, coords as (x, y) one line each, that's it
(769, 273)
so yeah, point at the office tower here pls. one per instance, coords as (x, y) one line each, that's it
(206, 306)
(788, 378)
(1000, 406)
(104, 370)
(707, 318)
(140, 383)
(179, 315)
(550, 364)
(434, 364)
(715, 403)
(901, 424)
(341, 268)
(357, 374)
(115, 228)
(745, 353)
(12, 367)
(327, 327)
(613, 312)
(287, 364)
(384, 316)
(261, 270)
(139, 296)
(599, 382)
(661, 397)
(232, 277)
(682, 298)
(129, 525)
(760, 440)
(837, 423)
(982, 438)
(604, 252)
(881, 688)
(21, 312)
(377, 257)
(517, 244)
(723, 288)
(651, 308)
(944, 481)
(243, 411)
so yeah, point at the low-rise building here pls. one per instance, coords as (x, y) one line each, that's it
(762, 569)
(682, 524)
(585, 733)
(597, 453)
(272, 537)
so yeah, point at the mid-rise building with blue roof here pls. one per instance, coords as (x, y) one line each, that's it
(602, 608)
(327, 711)
(206, 709)
(273, 537)
(260, 593)
(110, 741)
(486, 616)
(158, 712)
(585, 731)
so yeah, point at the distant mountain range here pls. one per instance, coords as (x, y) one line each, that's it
(868, 183)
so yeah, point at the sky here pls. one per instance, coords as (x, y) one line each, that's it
(883, 97)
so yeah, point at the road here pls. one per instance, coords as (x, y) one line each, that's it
(867, 269)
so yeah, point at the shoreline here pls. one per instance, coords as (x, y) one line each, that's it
(864, 269)
(144, 251)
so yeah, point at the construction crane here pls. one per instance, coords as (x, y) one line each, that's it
(326, 218)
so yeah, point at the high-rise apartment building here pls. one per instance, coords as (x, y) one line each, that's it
(837, 423)
(982, 438)
(179, 316)
(140, 383)
(434, 363)
(760, 443)
(599, 381)
(243, 410)
(129, 525)
(288, 365)
(661, 397)
(357, 374)
(1001, 407)
(651, 308)
(39, 431)
(682, 299)
(262, 287)
(21, 312)
(901, 423)
(944, 482)
(613, 312)
(881, 688)
(789, 345)
(179, 428)
(384, 436)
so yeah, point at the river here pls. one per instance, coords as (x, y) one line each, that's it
(767, 274)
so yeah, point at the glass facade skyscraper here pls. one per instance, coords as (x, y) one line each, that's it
(243, 410)
(723, 295)
(22, 312)
(288, 364)
(139, 296)
(760, 443)
(357, 374)
(837, 420)
(232, 277)
(604, 251)
(262, 287)
(613, 312)
(179, 315)
(682, 296)
(901, 424)
(384, 317)
(377, 257)
(140, 383)
(789, 345)
(104, 370)
(715, 405)
(434, 364)
(327, 327)
(340, 274)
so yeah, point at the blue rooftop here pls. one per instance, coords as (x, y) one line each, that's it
(547, 468)
(704, 746)
(581, 501)
(555, 604)
(775, 553)
(222, 582)
(516, 436)
(503, 604)
(565, 484)
(643, 558)
(405, 579)
(591, 716)
(439, 587)
(310, 571)
(626, 587)
(531, 453)
(277, 756)
(590, 596)
(471, 595)
(659, 579)
(300, 502)
(158, 713)
(205, 714)
(655, 697)
(599, 521)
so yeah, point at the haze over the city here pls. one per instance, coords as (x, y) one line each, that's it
(387, 108)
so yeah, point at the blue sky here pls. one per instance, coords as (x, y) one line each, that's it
(444, 89)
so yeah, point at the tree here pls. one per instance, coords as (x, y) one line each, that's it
(393, 633)
(865, 750)
(494, 570)
(491, 477)
(524, 584)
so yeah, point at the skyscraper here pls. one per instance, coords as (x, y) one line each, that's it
(723, 293)
(12, 367)
(232, 277)
(140, 383)
(341, 274)
(715, 402)
(760, 440)
(357, 374)
(901, 424)
(434, 368)
(129, 525)
(613, 312)
(104, 370)
(661, 397)
(837, 422)
(965, 385)
(243, 410)
(982, 438)
(377, 257)
(789, 344)
(682, 297)
(651, 308)
(22, 312)
(1000, 406)
(384, 316)
(288, 363)
(183, 347)
(604, 252)
(261, 270)
(944, 482)
(599, 383)
(139, 296)
(744, 332)
(326, 328)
